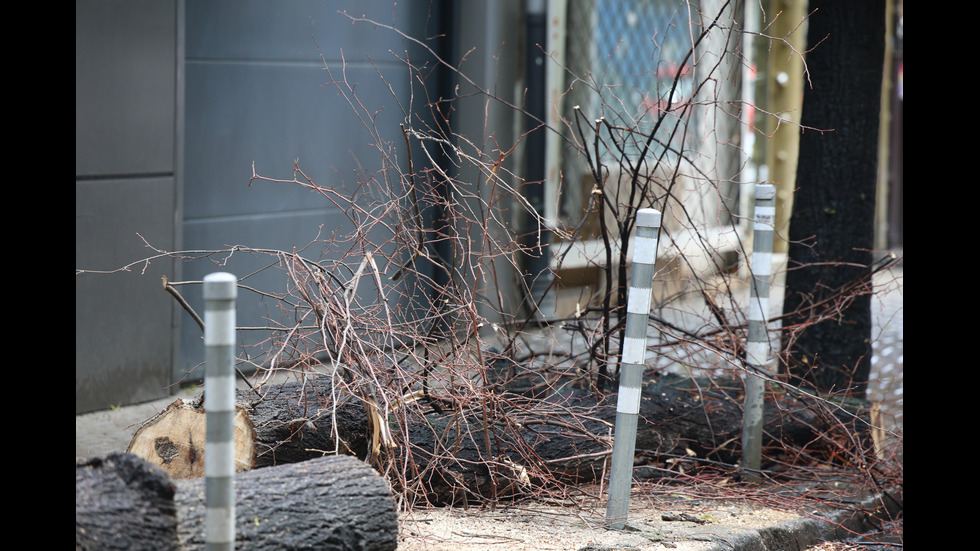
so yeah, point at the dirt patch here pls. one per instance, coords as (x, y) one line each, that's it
(668, 522)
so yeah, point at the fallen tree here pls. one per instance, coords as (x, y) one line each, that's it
(331, 503)
(507, 444)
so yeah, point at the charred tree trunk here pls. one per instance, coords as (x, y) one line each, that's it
(330, 503)
(832, 226)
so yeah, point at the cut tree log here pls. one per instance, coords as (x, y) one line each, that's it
(174, 440)
(333, 503)
(284, 424)
(330, 503)
(123, 502)
(507, 444)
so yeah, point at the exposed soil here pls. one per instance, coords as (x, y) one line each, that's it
(537, 526)
(659, 518)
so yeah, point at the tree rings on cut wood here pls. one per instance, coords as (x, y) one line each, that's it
(174, 439)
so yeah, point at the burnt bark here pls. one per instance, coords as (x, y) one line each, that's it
(299, 420)
(528, 444)
(827, 302)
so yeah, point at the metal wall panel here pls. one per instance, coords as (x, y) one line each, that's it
(125, 183)
(257, 92)
(489, 34)
(123, 321)
(125, 66)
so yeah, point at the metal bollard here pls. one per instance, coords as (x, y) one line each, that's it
(631, 367)
(220, 291)
(757, 346)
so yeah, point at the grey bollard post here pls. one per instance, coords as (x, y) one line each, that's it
(757, 346)
(220, 291)
(631, 367)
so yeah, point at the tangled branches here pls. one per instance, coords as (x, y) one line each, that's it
(405, 316)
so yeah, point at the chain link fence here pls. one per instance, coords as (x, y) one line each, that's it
(623, 61)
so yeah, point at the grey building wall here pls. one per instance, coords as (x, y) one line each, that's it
(126, 69)
(175, 101)
(258, 93)
(490, 34)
